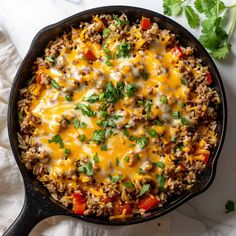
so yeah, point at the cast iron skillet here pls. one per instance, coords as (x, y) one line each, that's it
(38, 204)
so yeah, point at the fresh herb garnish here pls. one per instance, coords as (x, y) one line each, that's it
(55, 84)
(77, 123)
(82, 137)
(57, 139)
(148, 107)
(49, 58)
(130, 89)
(128, 184)
(184, 121)
(158, 122)
(98, 136)
(145, 188)
(163, 99)
(92, 98)
(159, 164)
(20, 115)
(112, 93)
(85, 110)
(142, 141)
(140, 171)
(120, 21)
(123, 49)
(175, 115)
(106, 33)
(115, 179)
(126, 158)
(117, 162)
(68, 98)
(95, 158)
(229, 206)
(152, 133)
(161, 182)
(67, 152)
(184, 82)
(182, 104)
(87, 169)
(214, 37)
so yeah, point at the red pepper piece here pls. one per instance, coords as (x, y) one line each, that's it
(207, 156)
(209, 79)
(79, 204)
(89, 56)
(148, 202)
(145, 23)
(178, 51)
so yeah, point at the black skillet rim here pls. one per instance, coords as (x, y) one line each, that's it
(130, 10)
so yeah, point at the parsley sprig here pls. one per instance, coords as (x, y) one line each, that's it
(214, 14)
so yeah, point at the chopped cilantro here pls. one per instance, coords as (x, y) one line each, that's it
(123, 49)
(159, 164)
(87, 169)
(161, 182)
(184, 82)
(152, 133)
(95, 158)
(145, 75)
(117, 162)
(82, 137)
(92, 98)
(115, 179)
(130, 89)
(163, 99)
(49, 58)
(128, 184)
(175, 115)
(140, 171)
(57, 139)
(20, 115)
(142, 141)
(85, 110)
(145, 188)
(67, 152)
(77, 123)
(120, 21)
(55, 84)
(126, 158)
(104, 147)
(68, 98)
(184, 121)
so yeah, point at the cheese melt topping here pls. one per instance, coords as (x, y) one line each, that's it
(164, 78)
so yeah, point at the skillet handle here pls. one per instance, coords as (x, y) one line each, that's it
(28, 218)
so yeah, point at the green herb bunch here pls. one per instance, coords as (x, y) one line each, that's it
(212, 16)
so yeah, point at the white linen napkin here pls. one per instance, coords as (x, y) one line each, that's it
(11, 184)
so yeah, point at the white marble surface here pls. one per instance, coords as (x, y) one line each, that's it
(203, 215)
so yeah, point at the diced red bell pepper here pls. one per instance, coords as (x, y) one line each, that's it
(206, 156)
(178, 52)
(148, 202)
(89, 56)
(145, 23)
(79, 204)
(209, 79)
(119, 207)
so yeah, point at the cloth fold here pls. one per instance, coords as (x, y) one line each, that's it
(11, 184)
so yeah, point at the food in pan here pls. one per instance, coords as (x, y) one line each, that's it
(117, 117)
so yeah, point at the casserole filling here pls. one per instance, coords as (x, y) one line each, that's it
(117, 117)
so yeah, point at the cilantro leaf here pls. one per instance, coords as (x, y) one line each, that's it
(221, 52)
(87, 169)
(85, 110)
(120, 21)
(172, 7)
(115, 179)
(92, 98)
(57, 139)
(123, 49)
(229, 206)
(192, 17)
(144, 189)
(142, 141)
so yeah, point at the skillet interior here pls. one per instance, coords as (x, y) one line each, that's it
(36, 194)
